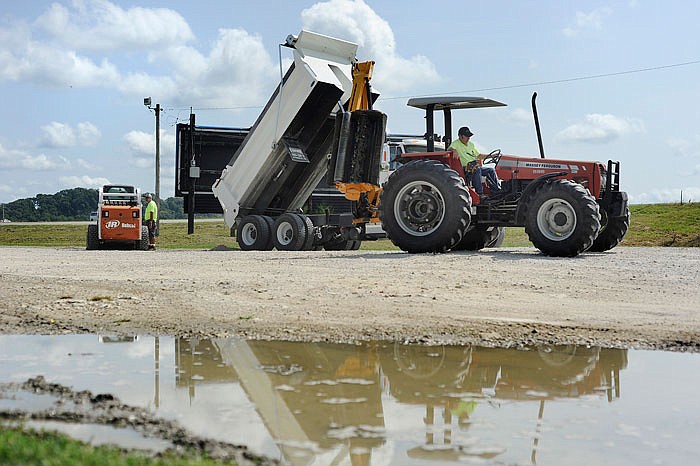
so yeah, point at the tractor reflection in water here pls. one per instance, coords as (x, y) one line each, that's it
(319, 399)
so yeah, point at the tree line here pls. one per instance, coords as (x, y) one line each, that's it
(73, 205)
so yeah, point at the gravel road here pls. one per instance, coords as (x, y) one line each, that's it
(628, 297)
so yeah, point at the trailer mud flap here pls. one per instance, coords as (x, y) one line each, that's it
(357, 147)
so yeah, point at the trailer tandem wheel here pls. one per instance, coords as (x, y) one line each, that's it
(289, 232)
(253, 234)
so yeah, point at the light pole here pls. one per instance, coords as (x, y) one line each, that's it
(147, 103)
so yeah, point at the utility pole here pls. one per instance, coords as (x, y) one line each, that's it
(147, 103)
(158, 154)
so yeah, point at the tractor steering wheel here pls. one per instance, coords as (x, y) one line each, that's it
(493, 157)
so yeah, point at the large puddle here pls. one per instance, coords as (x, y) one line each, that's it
(387, 404)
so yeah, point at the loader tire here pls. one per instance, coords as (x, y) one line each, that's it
(142, 244)
(612, 232)
(253, 234)
(92, 241)
(289, 232)
(478, 238)
(425, 207)
(562, 219)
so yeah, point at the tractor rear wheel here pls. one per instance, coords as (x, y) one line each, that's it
(289, 232)
(612, 232)
(92, 241)
(425, 207)
(253, 234)
(562, 218)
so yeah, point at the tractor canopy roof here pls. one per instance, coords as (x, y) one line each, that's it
(443, 103)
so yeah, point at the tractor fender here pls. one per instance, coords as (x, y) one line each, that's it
(529, 189)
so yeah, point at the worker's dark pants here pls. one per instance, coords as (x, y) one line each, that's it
(151, 224)
(491, 179)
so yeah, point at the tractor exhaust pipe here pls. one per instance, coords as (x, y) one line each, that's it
(537, 124)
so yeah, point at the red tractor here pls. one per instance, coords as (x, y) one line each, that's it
(567, 207)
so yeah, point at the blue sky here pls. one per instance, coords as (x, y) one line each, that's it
(73, 75)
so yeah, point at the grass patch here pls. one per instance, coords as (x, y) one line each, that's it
(651, 225)
(29, 447)
(664, 225)
(101, 298)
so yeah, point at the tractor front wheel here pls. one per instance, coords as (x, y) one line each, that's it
(562, 218)
(612, 232)
(425, 207)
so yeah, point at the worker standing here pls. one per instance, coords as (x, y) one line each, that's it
(151, 216)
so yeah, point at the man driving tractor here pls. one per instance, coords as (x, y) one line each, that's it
(469, 156)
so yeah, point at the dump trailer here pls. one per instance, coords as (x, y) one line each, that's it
(118, 222)
(318, 122)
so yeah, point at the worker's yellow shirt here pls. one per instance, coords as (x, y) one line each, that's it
(467, 152)
(151, 207)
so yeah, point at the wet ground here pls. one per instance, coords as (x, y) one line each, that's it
(374, 403)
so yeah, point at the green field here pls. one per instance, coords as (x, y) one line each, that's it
(651, 225)
(29, 447)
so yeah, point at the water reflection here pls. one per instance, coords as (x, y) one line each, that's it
(383, 404)
(322, 398)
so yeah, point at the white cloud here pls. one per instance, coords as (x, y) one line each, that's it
(685, 148)
(78, 45)
(64, 135)
(143, 146)
(84, 164)
(598, 128)
(237, 72)
(43, 63)
(355, 21)
(587, 21)
(667, 195)
(102, 25)
(82, 181)
(520, 116)
(16, 159)
(144, 143)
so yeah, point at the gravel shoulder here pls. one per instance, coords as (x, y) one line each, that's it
(627, 297)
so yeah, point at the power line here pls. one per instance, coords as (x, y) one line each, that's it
(557, 81)
(498, 88)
